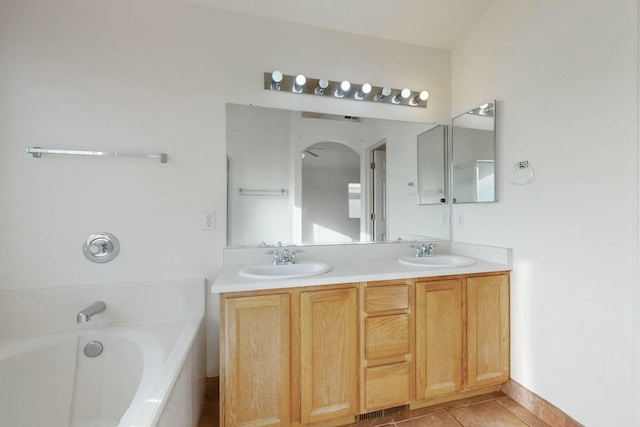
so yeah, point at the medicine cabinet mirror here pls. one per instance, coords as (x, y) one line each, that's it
(473, 139)
(300, 178)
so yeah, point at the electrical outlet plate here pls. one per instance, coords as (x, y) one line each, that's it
(208, 220)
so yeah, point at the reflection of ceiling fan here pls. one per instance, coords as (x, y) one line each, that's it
(310, 151)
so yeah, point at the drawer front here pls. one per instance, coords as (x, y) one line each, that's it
(387, 386)
(386, 336)
(386, 298)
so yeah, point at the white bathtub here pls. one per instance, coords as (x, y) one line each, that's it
(150, 373)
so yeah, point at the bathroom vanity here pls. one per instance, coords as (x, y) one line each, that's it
(370, 336)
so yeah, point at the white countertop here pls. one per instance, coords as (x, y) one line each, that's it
(349, 270)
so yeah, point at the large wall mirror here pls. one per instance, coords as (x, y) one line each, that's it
(297, 177)
(473, 155)
(432, 166)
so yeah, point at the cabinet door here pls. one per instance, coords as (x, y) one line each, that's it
(256, 361)
(438, 338)
(329, 354)
(488, 330)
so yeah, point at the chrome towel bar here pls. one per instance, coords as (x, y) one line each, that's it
(258, 192)
(37, 152)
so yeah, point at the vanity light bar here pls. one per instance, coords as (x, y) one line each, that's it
(300, 84)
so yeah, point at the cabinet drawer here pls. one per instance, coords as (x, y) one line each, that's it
(385, 298)
(387, 386)
(386, 336)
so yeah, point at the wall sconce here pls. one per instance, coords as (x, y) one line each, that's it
(300, 84)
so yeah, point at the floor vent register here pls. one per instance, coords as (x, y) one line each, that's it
(383, 413)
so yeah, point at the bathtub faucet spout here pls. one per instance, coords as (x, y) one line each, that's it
(95, 308)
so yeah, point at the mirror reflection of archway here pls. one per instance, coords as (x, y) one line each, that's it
(330, 193)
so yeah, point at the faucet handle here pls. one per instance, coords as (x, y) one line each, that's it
(418, 250)
(430, 248)
(276, 255)
(293, 258)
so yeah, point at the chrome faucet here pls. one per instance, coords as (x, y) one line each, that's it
(288, 256)
(425, 249)
(95, 308)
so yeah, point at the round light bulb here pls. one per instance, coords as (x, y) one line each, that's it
(405, 93)
(386, 91)
(366, 88)
(345, 85)
(300, 80)
(322, 85)
(276, 76)
(424, 95)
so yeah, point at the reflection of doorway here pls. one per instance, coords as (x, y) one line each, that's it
(378, 207)
(330, 175)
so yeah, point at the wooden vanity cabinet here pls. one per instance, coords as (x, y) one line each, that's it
(385, 342)
(329, 355)
(322, 355)
(487, 346)
(439, 323)
(462, 334)
(255, 368)
(289, 357)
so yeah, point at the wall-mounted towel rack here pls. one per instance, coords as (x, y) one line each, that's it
(37, 152)
(280, 192)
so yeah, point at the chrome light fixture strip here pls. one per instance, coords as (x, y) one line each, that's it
(279, 82)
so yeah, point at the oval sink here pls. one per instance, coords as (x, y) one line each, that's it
(437, 261)
(284, 271)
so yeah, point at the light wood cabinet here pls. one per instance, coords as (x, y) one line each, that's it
(462, 334)
(255, 363)
(385, 361)
(329, 354)
(488, 330)
(289, 357)
(438, 338)
(322, 355)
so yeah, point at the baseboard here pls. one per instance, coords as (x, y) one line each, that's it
(538, 406)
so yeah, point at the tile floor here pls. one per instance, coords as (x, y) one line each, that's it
(489, 410)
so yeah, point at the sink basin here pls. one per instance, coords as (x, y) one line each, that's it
(437, 261)
(284, 271)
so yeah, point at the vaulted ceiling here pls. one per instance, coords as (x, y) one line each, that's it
(431, 23)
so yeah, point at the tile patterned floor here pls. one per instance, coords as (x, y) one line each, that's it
(489, 410)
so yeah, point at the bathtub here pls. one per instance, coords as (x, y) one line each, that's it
(149, 373)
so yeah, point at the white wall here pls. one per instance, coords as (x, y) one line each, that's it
(565, 78)
(154, 75)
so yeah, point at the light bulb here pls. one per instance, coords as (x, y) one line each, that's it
(423, 96)
(365, 89)
(344, 87)
(301, 80)
(322, 85)
(404, 94)
(276, 79)
(386, 91)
